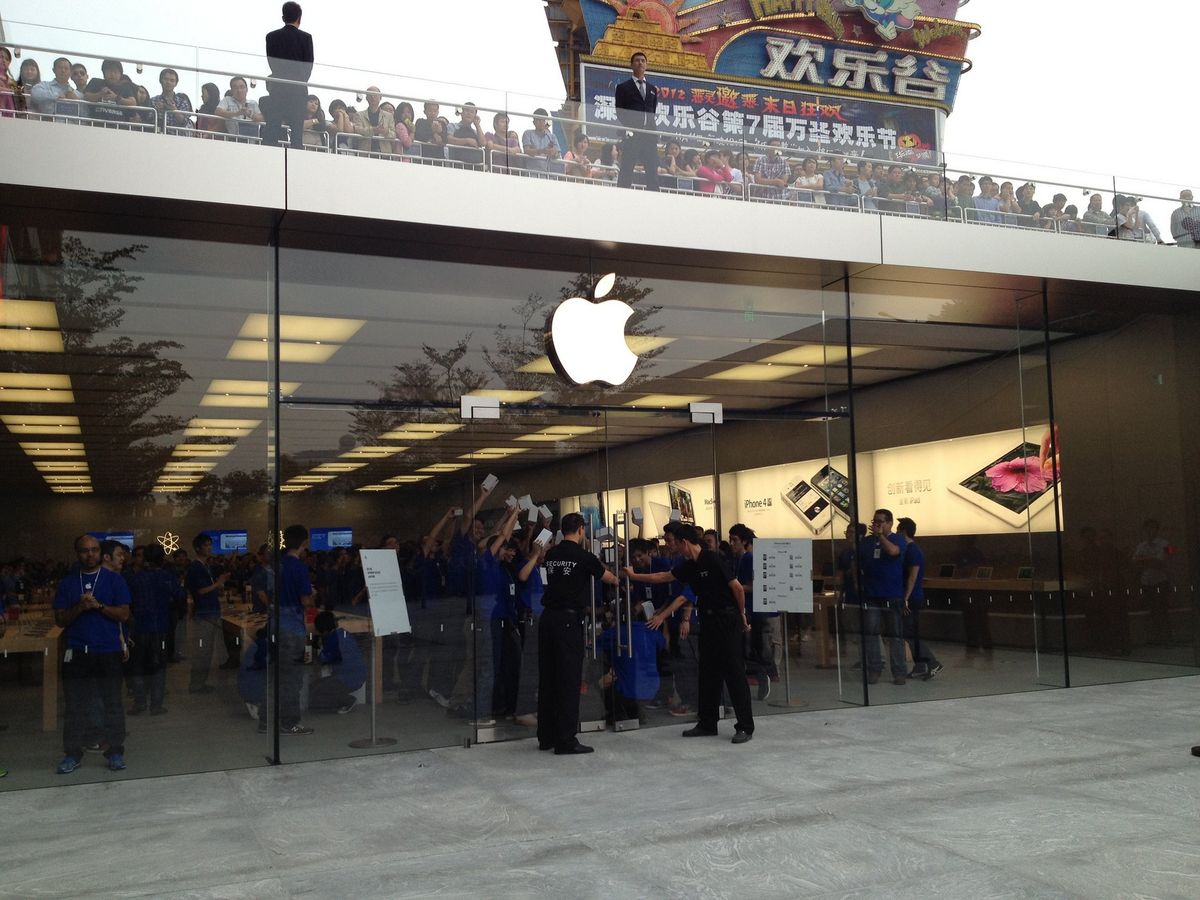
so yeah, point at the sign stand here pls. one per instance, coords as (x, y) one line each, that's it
(374, 740)
(783, 584)
(389, 615)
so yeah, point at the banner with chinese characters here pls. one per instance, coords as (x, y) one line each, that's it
(711, 110)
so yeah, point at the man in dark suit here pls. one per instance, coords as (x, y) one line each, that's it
(290, 57)
(636, 101)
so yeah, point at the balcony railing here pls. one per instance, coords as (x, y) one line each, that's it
(897, 186)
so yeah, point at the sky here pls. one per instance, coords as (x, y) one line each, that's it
(1050, 90)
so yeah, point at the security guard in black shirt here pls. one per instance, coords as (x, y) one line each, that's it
(570, 570)
(722, 605)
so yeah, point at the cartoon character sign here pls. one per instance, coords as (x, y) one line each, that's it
(889, 16)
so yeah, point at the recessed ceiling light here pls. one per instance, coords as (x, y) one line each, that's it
(667, 400)
(406, 479)
(289, 352)
(494, 452)
(756, 372)
(59, 425)
(23, 340)
(507, 396)
(50, 448)
(443, 467)
(241, 386)
(303, 328)
(28, 314)
(816, 355)
(311, 479)
(338, 467)
(554, 433)
(46, 466)
(420, 431)
(376, 488)
(194, 466)
(374, 452)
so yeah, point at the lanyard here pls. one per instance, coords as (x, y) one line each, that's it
(92, 587)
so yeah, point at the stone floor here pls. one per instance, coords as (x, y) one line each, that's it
(1082, 793)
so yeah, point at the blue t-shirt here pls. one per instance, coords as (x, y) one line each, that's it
(293, 584)
(637, 676)
(914, 558)
(665, 593)
(461, 569)
(529, 592)
(92, 631)
(497, 582)
(152, 593)
(207, 605)
(340, 650)
(883, 575)
(262, 581)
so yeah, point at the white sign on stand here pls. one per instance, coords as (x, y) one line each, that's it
(783, 575)
(389, 612)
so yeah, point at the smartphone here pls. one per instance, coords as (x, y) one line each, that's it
(834, 487)
(808, 504)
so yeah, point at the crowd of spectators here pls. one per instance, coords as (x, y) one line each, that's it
(393, 130)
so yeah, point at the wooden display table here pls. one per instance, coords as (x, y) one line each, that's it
(36, 633)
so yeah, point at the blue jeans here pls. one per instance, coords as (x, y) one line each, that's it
(884, 615)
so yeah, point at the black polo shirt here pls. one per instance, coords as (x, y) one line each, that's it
(570, 571)
(708, 576)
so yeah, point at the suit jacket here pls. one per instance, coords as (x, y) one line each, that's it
(290, 56)
(632, 110)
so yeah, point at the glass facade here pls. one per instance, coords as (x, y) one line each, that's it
(199, 397)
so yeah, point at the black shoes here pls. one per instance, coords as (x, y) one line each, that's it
(545, 745)
(697, 731)
(741, 737)
(1196, 750)
(574, 749)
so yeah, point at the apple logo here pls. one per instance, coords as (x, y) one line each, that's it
(586, 341)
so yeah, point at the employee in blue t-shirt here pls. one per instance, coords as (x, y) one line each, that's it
(348, 673)
(205, 588)
(925, 664)
(633, 672)
(91, 606)
(153, 591)
(881, 564)
(294, 594)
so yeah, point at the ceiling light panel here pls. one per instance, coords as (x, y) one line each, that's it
(406, 479)
(816, 355)
(61, 425)
(443, 467)
(28, 314)
(670, 401)
(45, 466)
(289, 351)
(376, 452)
(23, 340)
(303, 328)
(417, 431)
(757, 372)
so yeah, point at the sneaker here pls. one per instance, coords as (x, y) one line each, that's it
(697, 731)
(655, 704)
(764, 689)
(681, 711)
(529, 720)
(342, 710)
(68, 765)
(439, 699)
(116, 762)
(91, 748)
(741, 737)
(899, 679)
(295, 729)
(3, 772)
(918, 672)
(933, 672)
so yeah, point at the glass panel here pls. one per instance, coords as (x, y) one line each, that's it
(1129, 519)
(115, 423)
(953, 438)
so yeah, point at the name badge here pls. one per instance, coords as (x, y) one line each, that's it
(512, 590)
(649, 592)
(876, 554)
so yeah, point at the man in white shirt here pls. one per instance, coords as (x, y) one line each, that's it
(236, 107)
(46, 94)
(1185, 222)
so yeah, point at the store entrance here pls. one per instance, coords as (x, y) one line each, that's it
(533, 466)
